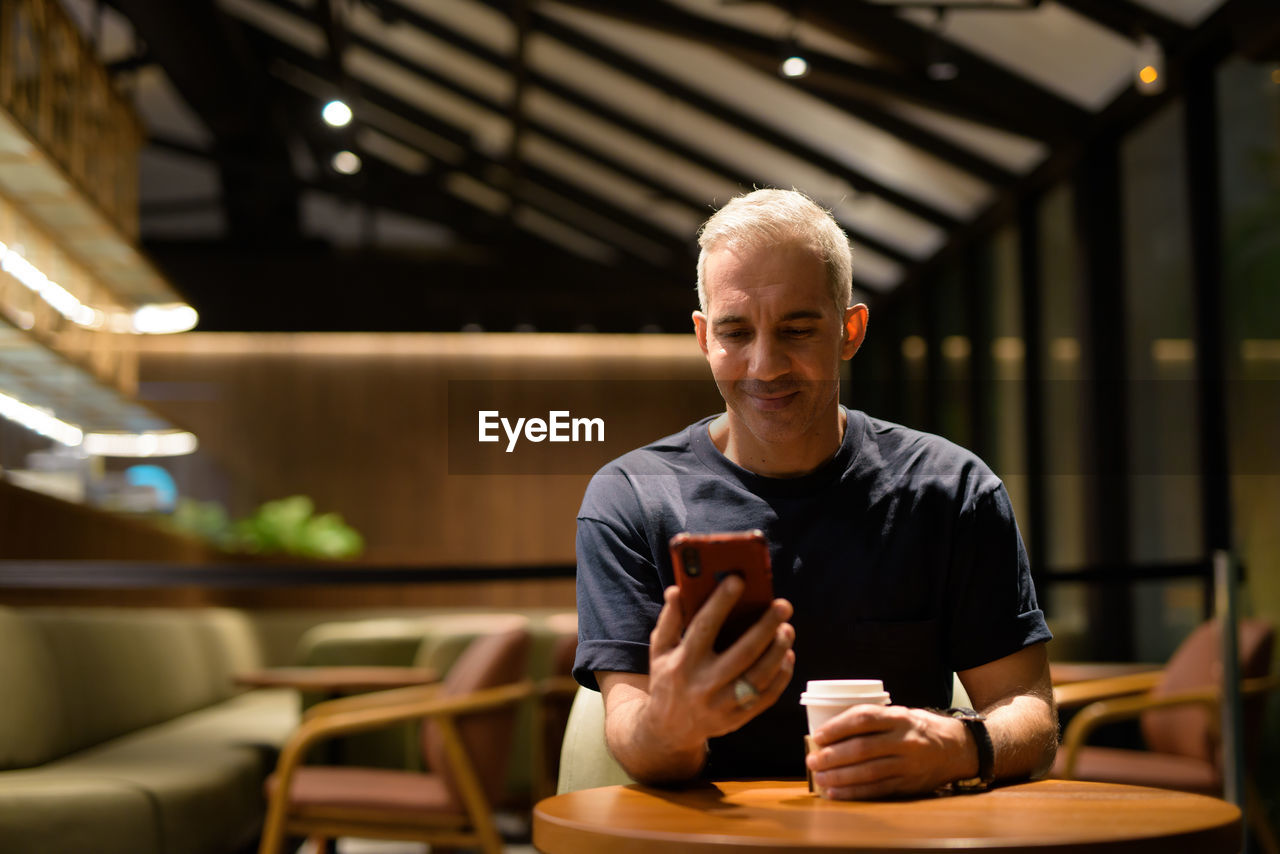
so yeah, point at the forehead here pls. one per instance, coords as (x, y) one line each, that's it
(790, 275)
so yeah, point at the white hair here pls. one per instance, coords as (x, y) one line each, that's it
(770, 217)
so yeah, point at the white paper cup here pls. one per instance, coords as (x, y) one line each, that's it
(829, 697)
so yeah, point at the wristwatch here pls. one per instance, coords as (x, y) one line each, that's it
(975, 722)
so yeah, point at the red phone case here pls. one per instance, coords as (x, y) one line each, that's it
(701, 561)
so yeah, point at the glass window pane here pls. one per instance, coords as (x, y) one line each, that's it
(1163, 442)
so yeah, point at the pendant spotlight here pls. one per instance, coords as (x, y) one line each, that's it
(794, 67)
(346, 162)
(1148, 66)
(336, 114)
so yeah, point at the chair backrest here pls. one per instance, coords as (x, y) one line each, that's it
(585, 760)
(487, 662)
(556, 709)
(1197, 663)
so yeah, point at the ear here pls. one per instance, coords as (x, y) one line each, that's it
(855, 329)
(700, 330)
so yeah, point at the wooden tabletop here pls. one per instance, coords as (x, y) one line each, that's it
(1048, 815)
(338, 680)
(1066, 672)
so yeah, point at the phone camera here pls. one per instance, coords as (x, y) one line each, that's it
(692, 563)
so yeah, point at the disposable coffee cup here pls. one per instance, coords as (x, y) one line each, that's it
(823, 699)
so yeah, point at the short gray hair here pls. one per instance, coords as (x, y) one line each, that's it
(766, 217)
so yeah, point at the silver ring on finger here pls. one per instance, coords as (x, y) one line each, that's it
(744, 693)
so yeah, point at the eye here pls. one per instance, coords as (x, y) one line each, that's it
(798, 331)
(732, 334)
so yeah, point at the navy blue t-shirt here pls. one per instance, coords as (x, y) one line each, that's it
(900, 554)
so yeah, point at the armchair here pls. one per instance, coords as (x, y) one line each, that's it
(1178, 712)
(466, 740)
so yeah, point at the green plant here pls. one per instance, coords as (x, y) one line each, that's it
(284, 526)
(290, 526)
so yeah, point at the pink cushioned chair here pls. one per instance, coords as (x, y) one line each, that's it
(469, 721)
(1178, 711)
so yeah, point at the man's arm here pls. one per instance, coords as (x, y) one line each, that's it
(657, 725)
(875, 751)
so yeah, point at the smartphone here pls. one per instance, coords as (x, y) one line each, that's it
(701, 561)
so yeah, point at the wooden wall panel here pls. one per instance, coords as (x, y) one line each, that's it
(361, 423)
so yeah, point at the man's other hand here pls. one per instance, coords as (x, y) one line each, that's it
(870, 751)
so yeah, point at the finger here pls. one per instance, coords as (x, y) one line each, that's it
(666, 632)
(881, 787)
(747, 649)
(861, 720)
(766, 666)
(853, 751)
(705, 625)
(766, 695)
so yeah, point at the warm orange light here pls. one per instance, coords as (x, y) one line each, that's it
(1275, 76)
(1148, 74)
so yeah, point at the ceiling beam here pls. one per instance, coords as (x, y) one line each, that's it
(188, 39)
(610, 113)
(678, 89)
(1126, 18)
(482, 167)
(900, 75)
(891, 78)
(1003, 91)
(832, 90)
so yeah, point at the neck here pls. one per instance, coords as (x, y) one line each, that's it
(777, 459)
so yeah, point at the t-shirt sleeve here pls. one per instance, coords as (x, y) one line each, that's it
(994, 611)
(619, 587)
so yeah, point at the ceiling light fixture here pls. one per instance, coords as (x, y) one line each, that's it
(346, 162)
(336, 114)
(1148, 66)
(40, 420)
(794, 67)
(150, 319)
(156, 443)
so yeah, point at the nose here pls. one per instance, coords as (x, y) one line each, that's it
(768, 359)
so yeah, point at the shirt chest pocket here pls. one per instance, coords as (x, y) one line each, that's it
(908, 657)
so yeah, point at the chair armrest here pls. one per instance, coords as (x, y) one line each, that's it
(1080, 693)
(373, 700)
(1117, 709)
(361, 717)
(1259, 685)
(557, 686)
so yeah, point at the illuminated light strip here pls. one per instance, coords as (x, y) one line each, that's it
(170, 443)
(153, 319)
(40, 420)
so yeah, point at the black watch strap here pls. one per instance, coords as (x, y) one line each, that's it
(975, 722)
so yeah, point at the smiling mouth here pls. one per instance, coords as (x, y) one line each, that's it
(773, 401)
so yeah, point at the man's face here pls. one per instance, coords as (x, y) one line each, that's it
(774, 339)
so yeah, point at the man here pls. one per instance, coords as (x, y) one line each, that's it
(895, 554)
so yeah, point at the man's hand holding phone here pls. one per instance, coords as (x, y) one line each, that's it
(693, 687)
(703, 681)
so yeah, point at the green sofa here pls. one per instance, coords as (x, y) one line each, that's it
(121, 731)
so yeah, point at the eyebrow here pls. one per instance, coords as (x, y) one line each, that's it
(800, 314)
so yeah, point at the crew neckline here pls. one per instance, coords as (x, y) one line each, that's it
(828, 472)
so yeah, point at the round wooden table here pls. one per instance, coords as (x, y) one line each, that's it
(1048, 815)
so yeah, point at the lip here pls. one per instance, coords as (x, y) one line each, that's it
(772, 403)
